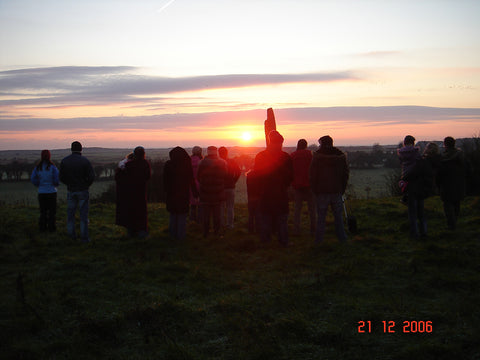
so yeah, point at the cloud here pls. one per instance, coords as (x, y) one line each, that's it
(110, 85)
(343, 116)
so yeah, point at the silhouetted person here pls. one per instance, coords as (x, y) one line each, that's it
(122, 190)
(328, 178)
(178, 182)
(451, 181)
(211, 175)
(45, 177)
(137, 172)
(274, 169)
(302, 158)
(417, 176)
(195, 209)
(77, 173)
(233, 173)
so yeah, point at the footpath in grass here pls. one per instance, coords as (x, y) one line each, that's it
(381, 296)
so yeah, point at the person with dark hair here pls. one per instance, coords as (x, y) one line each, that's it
(451, 180)
(45, 177)
(137, 173)
(179, 182)
(77, 173)
(195, 209)
(211, 176)
(274, 170)
(302, 158)
(233, 174)
(329, 175)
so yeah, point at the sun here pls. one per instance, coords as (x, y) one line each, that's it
(246, 136)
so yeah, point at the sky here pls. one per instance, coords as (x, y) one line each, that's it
(117, 73)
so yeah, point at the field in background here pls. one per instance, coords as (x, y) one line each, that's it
(24, 193)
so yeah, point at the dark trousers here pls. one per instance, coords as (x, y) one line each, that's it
(48, 211)
(274, 224)
(210, 210)
(452, 210)
(416, 216)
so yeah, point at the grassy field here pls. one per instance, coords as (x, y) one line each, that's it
(24, 193)
(234, 298)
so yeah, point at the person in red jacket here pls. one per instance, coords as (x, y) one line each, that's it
(302, 158)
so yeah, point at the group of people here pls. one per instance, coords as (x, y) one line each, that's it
(203, 188)
(426, 174)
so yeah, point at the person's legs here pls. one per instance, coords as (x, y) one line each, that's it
(172, 225)
(412, 216)
(449, 209)
(206, 211)
(311, 211)
(297, 214)
(265, 227)
(72, 203)
(422, 221)
(181, 226)
(43, 204)
(52, 212)
(83, 204)
(322, 207)
(282, 227)
(217, 214)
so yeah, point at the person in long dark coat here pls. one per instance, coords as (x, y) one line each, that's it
(122, 192)
(451, 180)
(178, 181)
(137, 172)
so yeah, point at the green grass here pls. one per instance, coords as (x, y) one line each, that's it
(234, 298)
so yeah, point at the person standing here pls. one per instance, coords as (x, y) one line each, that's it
(274, 171)
(122, 192)
(178, 182)
(451, 180)
(195, 210)
(45, 177)
(233, 173)
(211, 176)
(328, 178)
(137, 172)
(302, 158)
(77, 173)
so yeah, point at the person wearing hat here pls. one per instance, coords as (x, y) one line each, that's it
(328, 178)
(211, 176)
(274, 172)
(77, 173)
(137, 174)
(45, 177)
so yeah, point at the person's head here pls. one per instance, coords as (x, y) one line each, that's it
(325, 142)
(212, 151)
(409, 140)
(431, 149)
(76, 147)
(197, 151)
(179, 155)
(301, 144)
(45, 155)
(275, 140)
(139, 152)
(223, 152)
(449, 142)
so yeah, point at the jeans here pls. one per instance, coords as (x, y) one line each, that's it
(274, 224)
(211, 211)
(415, 212)
(48, 211)
(451, 210)
(227, 206)
(301, 195)
(178, 226)
(78, 199)
(336, 202)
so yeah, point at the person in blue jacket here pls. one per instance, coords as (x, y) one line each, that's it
(45, 177)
